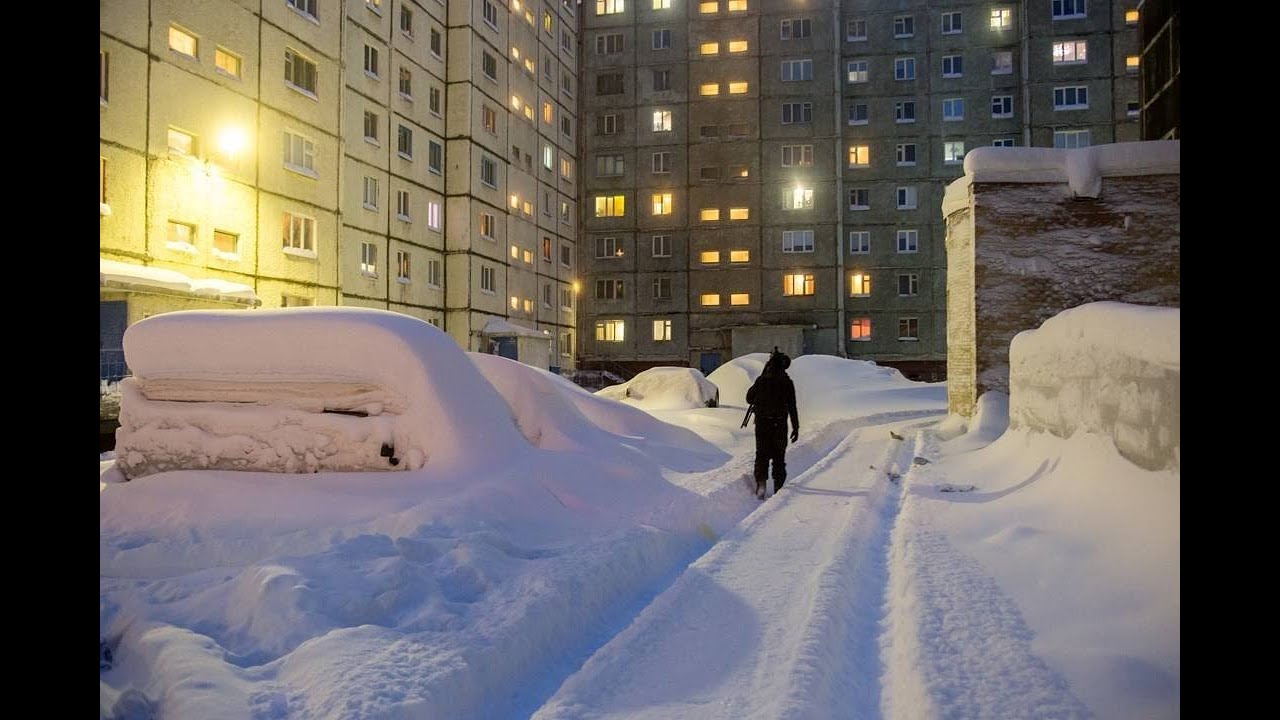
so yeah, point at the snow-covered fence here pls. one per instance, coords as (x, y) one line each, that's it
(1108, 368)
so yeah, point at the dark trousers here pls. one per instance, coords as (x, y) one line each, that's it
(771, 446)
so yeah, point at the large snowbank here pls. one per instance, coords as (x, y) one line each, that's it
(665, 388)
(280, 391)
(1108, 368)
(1081, 168)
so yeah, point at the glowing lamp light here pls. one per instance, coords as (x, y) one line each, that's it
(231, 141)
(576, 287)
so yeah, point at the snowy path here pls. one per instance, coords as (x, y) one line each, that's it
(782, 618)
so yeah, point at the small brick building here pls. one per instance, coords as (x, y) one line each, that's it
(1034, 231)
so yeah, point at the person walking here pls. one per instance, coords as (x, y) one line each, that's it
(772, 397)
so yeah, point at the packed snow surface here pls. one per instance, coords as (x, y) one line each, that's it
(665, 388)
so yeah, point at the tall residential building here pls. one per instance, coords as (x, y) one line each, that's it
(1161, 32)
(761, 174)
(411, 155)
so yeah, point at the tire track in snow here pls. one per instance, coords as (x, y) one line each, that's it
(954, 644)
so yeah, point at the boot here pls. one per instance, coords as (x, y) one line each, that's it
(760, 489)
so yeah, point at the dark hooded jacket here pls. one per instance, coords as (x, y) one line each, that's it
(773, 394)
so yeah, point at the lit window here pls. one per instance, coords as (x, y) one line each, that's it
(737, 88)
(737, 5)
(707, 8)
(402, 266)
(1002, 62)
(798, 198)
(299, 234)
(661, 4)
(709, 257)
(860, 284)
(181, 143)
(953, 152)
(1131, 63)
(662, 203)
(860, 329)
(1131, 16)
(797, 241)
(661, 330)
(566, 168)
(433, 215)
(514, 201)
(709, 89)
(181, 235)
(369, 259)
(227, 62)
(797, 284)
(739, 256)
(661, 120)
(857, 71)
(226, 244)
(611, 206)
(737, 46)
(1070, 51)
(183, 41)
(739, 299)
(739, 213)
(610, 330)
(709, 214)
(908, 241)
(1001, 18)
(709, 299)
(610, 7)
(859, 155)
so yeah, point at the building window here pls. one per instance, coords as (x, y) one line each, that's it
(709, 131)
(797, 241)
(404, 142)
(1002, 142)
(661, 4)
(488, 280)
(406, 21)
(564, 213)
(371, 127)
(662, 288)
(951, 23)
(952, 66)
(104, 75)
(661, 80)
(904, 26)
(953, 152)
(737, 46)
(371, 61)
(225, 62)
(1002, 62)
(859, 156)
(797, 284)
(433, 101)
(1070, 138)
(709, 48)
(488, 172)
(566, 168)
(906, 153)
(1001, 18)
(908, 241)
(489, 119)
(183, 42)
(306, 7)
(855, 30)
(796, 28)
(610, 330)
(858, 114)
(609, 84)
(487, 225)
(709, 257)
(374, 5)
(709, 299)
(181, 236)
(909, 329)
(908, 284)
(797, 70)
(1065, 9)
(860, 284)
(548, 157)
(436, 42)
(406, 84)
(859, 242)
(433, 273)
(952, 109)
(904, 112)
(907, 197)
(402, 205)
(433, 215)
(1002, 106)
(1075, 97)
(856, 71)
(402, 267)
(611, 206)
(797, 155)
(490, 14)
(661, 39)
(709, 89)
(610, 44)
(1070, 52)
(661, 163)
(608, 289)
(1131, 16)
(226, 244)
(489, 65)
(299, 233)
(1133, 109)
(181, 143)
(610, 7)
(566, 344)
(661, 201)
(661, 330)
(287, 301)
(797, 113)
(662, 121)
(609, 165)
(369, 259)
(904, 69)
(566, 256)
(797, 198)
(860, 330)
(859, 199)
(709, 214)
(435, 157)
(709, 173)
(102, 184)
(739, 299)
(299, 72)
(299, 153)
(1131, 63)
(739, 213)
(370, 193)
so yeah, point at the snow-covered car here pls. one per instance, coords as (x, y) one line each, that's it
(298, 390)
(666, 388)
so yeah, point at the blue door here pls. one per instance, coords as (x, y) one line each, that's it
(507, 347)
(113, 317)
(708, 362)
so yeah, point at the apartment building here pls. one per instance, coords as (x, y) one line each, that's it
(1160, 33)
(761, 174)
(410, 155)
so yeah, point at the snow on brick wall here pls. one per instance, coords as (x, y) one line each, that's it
(1108, 368)
(961, 361)
(1038, 251)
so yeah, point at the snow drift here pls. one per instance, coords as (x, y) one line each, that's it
(665, 388)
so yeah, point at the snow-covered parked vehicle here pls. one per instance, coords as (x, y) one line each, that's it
(299, 391)
(666, 388)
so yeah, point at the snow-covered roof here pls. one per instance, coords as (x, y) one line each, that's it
(1081, 168)
(497, 327)
(127, 276)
